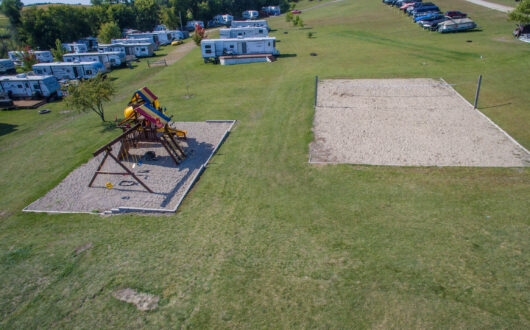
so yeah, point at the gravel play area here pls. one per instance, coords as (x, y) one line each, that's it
(406, 122)
(169, 182)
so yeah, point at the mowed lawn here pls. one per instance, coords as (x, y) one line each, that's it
(265, 239)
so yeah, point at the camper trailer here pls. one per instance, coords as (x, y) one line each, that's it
(143, 35)
(137, 49)
(75, 48)
(30, 86)
(259, 23)
(235, 51)
(69, 70)
(250, 14)
(272, 10)
(190, 25)
(456, 25)
(42, 56)
(225, 19)
(164, 37)
(108, 59)
(247, 32)
(7, 66)
(91, 43)
(135, 41)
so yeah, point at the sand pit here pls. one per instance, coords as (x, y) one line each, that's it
(169, 182)
(406, 122)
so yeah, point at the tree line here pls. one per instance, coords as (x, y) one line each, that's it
(41, 27)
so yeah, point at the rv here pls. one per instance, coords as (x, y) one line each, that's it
(272, 10)
(456, 25)
(108, 59)
(91, 43)
(30, 86)
(75, 48)
(143, 35)
(135, 41)
(42, 56)
(7, 66)
(137, 49)
(190, 25)
(238, 50)
(260, 23)
(250, 14)
(69, 70)
(225, 19)
(164, 37)
(246, 32)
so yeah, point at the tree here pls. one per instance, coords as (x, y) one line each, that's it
(521, 13)
(109, 31)
(289, 17)
(58, 52)
(90, 95)
(200, 33)
(11, 8)
(147, 13)
(28, 59)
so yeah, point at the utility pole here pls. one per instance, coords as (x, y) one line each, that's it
(180, 18)
(478, 91)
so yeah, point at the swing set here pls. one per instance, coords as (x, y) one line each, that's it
(145, 124)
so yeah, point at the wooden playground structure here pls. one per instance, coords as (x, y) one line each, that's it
(145, 124)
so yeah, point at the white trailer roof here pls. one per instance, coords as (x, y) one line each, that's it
(93, 53)
(66, 63)
(24, 77)
(245, 39)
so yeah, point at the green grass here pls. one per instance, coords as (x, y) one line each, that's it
(264, 239)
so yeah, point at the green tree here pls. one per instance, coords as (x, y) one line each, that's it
(58, 52)
(521, 13)
(147, 13)
(289, 17)
(28, 59)
(90, 95)
(109, 31)
(11, 8)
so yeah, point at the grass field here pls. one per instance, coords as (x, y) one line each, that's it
(265, 239)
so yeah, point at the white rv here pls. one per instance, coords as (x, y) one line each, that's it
(258, 23)
(90, 42)
(69, 70)
(30, 86)
(247, 32)
(225, 19)
(42, 56)
(190, 25)
(7, 66)
(250, 14)
(239, 50)
(135, 41)
(272, 10)
(108, 59)
(143, 35)
(75, 48)
(137, 49)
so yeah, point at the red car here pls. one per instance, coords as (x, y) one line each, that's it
(296, 11)
(455, 14)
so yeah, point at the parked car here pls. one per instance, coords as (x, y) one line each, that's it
(428, 17)
(456, 25)
(424, 13)
(296, 11)
(521, 30)
(433, 25)
(455, 14)
(418, 6)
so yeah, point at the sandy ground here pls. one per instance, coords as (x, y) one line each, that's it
(491, 5)
(169, 182)
(406, 122)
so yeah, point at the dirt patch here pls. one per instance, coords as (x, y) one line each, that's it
(406, 122)
(142, 301)
(82, 248)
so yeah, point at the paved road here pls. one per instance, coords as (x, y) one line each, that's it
(491, 5)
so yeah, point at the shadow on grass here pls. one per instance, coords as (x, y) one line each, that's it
(7, 128)
(495, 106)
(287, 55)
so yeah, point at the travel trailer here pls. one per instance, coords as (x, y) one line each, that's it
(250, 14)
(108, 59)
(135, 41)
(190, 25)
(272, 10)
(234, 51)
(143, 35)
(69, 70)
(258, 23)
(75, 48)
(137, 49)
(246, 32)
(30, 86)
(456, 25)
(43, 56)
(7, 66)
(91, 43)
(225, 19)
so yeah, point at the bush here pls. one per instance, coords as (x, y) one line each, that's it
(310, 35)
(200, 33)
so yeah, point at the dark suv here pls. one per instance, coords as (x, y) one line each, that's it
(455, 14)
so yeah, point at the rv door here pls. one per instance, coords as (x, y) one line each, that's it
(244, 47)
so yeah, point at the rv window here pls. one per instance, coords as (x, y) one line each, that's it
(27, 85)
(20, 86)
(143, 49)
(269, 44)
(231, 46)
(88, 71)
(207, 46)
(208, 51)
(260, 31)
(36, 86)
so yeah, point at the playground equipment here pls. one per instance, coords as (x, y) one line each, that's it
(145, 123)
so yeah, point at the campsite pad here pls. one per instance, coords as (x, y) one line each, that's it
(406, 122)
(169, 182)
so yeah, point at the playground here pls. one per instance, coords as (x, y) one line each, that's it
(148, 168)
(406, 122)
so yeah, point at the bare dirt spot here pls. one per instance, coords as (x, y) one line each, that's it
(82, 248)
(142, 301)
(406, 122)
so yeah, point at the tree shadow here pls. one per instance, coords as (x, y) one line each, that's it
(7, 128)
(287, 55)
